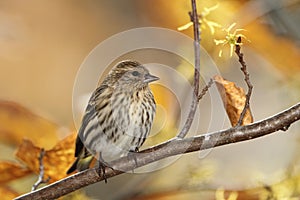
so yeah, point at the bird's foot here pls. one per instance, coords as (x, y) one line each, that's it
(101, 168)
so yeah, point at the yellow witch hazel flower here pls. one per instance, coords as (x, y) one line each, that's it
(204, 22)
(230, 38)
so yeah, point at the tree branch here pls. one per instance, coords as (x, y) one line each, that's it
(205, 89)
(195, 19)
(247, 80)
(41, 179)
(169, 148)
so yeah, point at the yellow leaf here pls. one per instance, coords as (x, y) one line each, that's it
(17, 122)
(11, 171)
(7, 193)
(56, 160)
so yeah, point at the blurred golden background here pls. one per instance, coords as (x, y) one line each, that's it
(43, 44)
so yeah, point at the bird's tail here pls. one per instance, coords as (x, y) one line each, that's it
(81, 164)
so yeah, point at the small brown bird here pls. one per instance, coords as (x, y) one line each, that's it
(118, 117)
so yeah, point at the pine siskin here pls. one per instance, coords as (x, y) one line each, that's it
(118, 117)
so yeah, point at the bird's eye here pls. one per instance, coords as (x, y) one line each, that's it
(135, 73)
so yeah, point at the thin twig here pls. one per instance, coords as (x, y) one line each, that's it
(195, 19)
(205, 89)
(41, 179)
(168, 149)
(247, 80)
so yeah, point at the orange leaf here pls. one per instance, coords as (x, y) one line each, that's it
(7, 193)
(17, 122)
(56, 160)
(233, 98)
(10, 171)
(60, 158)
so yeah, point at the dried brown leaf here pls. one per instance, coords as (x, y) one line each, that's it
(11, 171)
(56, 160)
(17, 122)
(233, 98)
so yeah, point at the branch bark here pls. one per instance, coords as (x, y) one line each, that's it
(247, 79)
(280, 121)
(41, 178)
(195, 19)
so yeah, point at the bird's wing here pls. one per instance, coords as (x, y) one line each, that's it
(90, 113)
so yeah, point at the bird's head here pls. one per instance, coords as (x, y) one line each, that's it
(130, 75)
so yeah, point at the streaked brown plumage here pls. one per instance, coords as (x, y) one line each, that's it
(118, 117)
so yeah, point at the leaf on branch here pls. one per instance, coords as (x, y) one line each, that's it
(11, 171)
(17, 122)
(233, 98)
(56, 160)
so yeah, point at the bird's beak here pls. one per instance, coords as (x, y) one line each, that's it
(150, 78)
